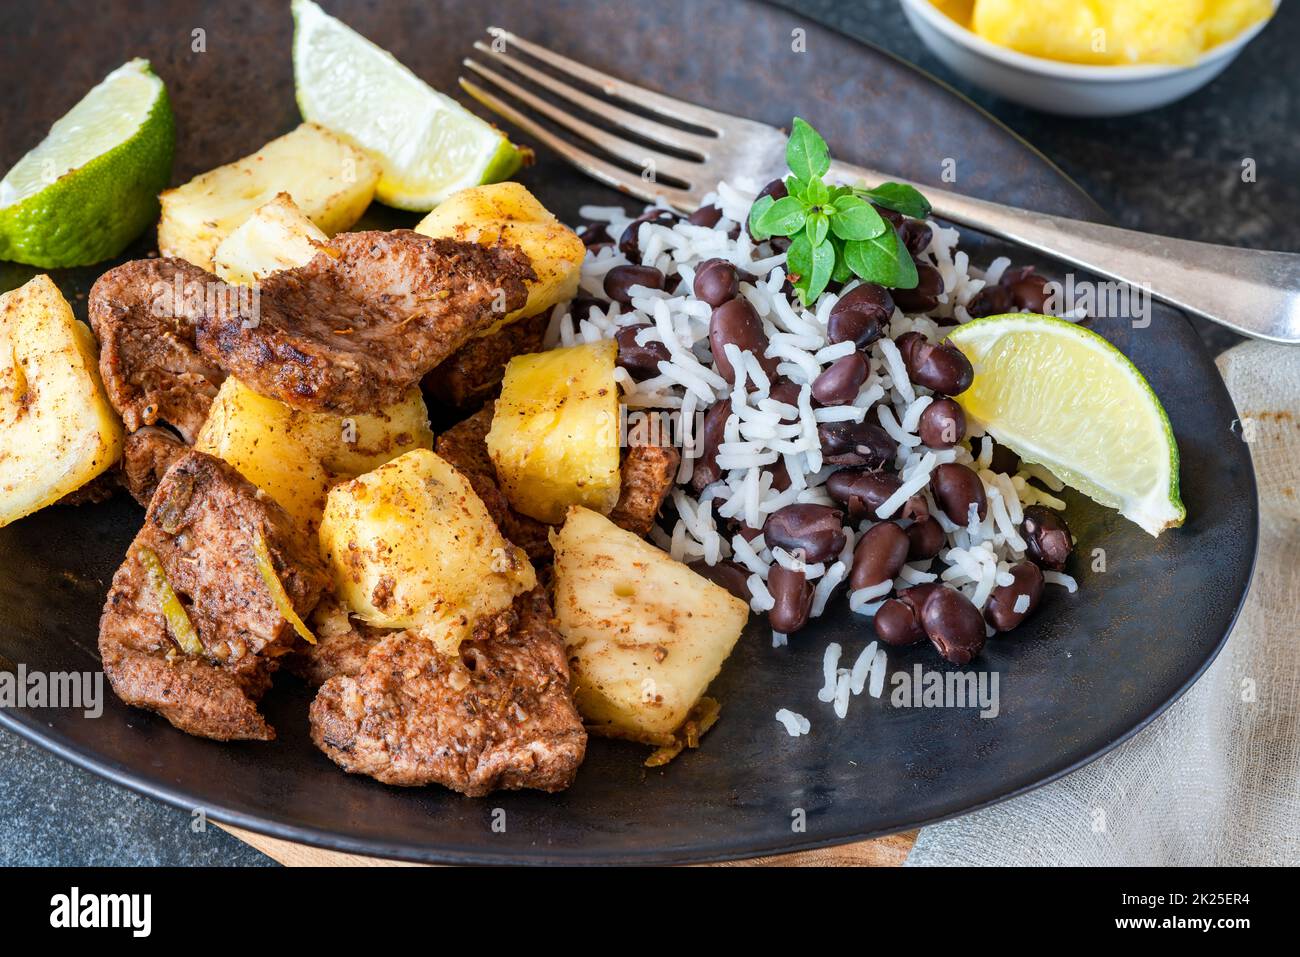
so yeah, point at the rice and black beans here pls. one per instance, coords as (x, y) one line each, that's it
(820, 450)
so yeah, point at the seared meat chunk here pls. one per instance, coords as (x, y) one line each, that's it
(464, 445)
(365, 319)
(200, 529)
(647, 477)
(499, 714)
(145, 315)
(146, 455)
(474, 372)
(342, 644)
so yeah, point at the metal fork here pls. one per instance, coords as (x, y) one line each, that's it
(1252, 292)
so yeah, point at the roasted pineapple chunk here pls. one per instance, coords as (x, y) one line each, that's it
(295, 456)
(57, 430)
(508, 213)
(411, 546)
(331, 181)
(645, 634)
(277, 236)
(554, 438)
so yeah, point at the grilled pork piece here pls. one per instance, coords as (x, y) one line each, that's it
(499, 714)
(365, 319)
(646, 479)
(200, 532)
(473, 373)
(145, 314)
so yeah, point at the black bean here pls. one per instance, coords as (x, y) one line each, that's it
(705, 216)
(1000, 612)
(956, 488)
(716, 282)
(641, 361)
(840, 382)
(935, 365)
(595, 233)
(860, 315)
(926, 539)
(780, 475)
(915, 597)
(879, 556)
(953, 624)
(991, 301)
(706, 471)
(1004, 460)
(856, 443)
(924, 296)
(581, 306)
(620, 280)
(737, 322)
(915, 235)
(813, 533)
(861, 491)
(787, 393)
(943, 424)
(727, 574)
(1029, 290)
(896, 624)
(792, 595)
(1047, 537)
(628, 243)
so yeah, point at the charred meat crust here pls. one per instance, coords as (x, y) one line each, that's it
(498, 715)
(201, 524)
(473, 373)
(145, 315)
(147, 453)
(364, 321)
(647, 478)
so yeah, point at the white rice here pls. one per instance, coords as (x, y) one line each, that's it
(761, 431)
(795, 724)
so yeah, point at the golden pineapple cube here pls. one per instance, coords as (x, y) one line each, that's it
(294, 456)
(277, 236)
(645, 634)
(554, 439)
(508, 213)
(330, 180)
(411, 546)
(57, 429)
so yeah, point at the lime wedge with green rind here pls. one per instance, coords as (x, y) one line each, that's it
(428, 144)
(1063, 397)
(91, 186)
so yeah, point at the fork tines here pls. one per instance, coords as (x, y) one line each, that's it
(647, 168)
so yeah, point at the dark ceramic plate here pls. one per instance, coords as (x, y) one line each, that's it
(1085, 673)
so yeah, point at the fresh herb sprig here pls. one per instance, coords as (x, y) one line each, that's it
(834, 231)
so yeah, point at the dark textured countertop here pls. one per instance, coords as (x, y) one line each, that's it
(1174, 171)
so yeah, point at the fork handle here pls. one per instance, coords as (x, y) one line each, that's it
(1252, 292)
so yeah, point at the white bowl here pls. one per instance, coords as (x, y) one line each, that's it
(1072, 89)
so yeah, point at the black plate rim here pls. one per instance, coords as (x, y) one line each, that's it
(28, 727)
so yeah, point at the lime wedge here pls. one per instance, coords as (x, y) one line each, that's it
(428, 144)
(1065, 398)
(91, 186)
